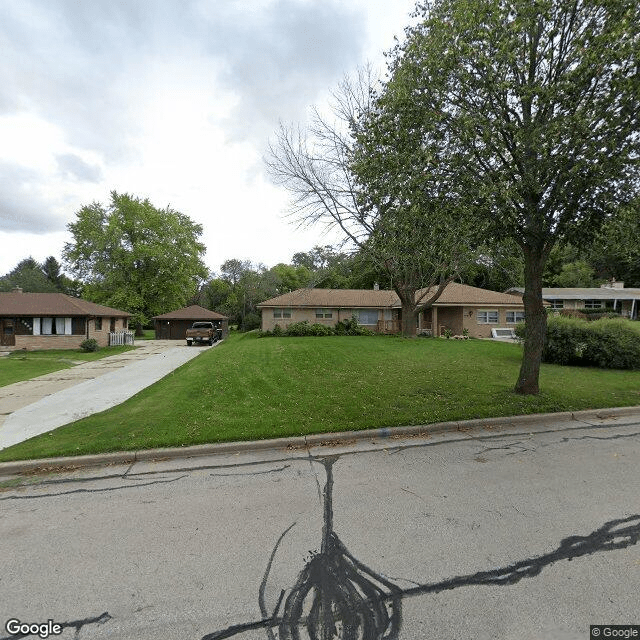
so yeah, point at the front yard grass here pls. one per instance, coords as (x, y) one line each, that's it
(24, 365)
(248, 388)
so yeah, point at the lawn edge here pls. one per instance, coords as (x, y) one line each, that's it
(300, 442)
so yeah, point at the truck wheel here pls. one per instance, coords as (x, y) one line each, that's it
(210, 342)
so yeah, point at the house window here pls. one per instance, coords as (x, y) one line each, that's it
(77, 326)
(282, 313)
(488, 317)
(366, 316)
(557, 304)
(324, 313)
(593, 304)
(98, 324)
(55, 326)
(514, 317)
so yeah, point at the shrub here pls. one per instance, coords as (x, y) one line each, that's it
(605, 343)
(520, 329)
(303, 328)
(573, 313)
(90, 344)
(350, 327)
(252, 321)
(591, 312)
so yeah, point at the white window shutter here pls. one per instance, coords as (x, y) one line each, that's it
(67, 326)
(36, 326)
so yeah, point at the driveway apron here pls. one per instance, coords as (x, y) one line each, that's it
(47, 402)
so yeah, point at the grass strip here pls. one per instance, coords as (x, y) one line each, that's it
(24, 365)
(249, 388)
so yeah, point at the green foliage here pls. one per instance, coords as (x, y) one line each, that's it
(596, 314)
(535, 110)
(604, 343)
(575, 274)
(299, 329)
(135, 257)
(348, 327)
(28, 275)
(615, 253)
(90, 344)
(251, 321)
(351, 327)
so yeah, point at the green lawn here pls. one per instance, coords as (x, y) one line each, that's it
(24, 365)
(249, 388)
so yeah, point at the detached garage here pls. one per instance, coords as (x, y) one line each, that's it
(173, 325)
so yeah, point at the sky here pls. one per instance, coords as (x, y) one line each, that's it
(171, 100)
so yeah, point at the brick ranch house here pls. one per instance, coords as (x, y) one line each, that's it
(459, 307)
(55, 321)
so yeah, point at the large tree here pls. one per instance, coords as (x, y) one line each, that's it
(136, 257)
(343, 175)
(539, 104)
(615, 253)
(29, 275)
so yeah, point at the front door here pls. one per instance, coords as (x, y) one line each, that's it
(7, 332)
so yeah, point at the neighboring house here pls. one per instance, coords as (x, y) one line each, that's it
(173, 325)
(55, 321)
(459, 307)
(608, 297)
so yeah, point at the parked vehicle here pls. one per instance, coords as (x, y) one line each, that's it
(202, 332)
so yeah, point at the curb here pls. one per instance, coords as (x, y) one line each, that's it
(300, 442)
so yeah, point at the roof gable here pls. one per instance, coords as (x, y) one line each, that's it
(52, 304)
(194, 312)
(454, 294)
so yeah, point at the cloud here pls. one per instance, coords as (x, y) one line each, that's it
(77, 64)
(281, 57)
(73, 166)
(22, 208)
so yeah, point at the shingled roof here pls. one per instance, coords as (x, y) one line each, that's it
(454, 294)
(17, 303)
(586, 293)
(194, 312)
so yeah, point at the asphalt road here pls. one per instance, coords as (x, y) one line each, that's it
(518, 535)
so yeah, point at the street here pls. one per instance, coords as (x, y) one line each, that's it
(524, 533)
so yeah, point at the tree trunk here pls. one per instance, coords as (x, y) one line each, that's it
(536, 323)
(409, 316)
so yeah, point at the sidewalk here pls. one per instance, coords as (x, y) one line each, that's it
(36, 406)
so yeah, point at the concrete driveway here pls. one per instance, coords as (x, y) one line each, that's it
(47, 402)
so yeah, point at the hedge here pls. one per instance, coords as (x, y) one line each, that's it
(608, 343)
(348, 327)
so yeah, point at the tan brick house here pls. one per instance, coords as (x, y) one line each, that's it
(459, 307)
(55, 321)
